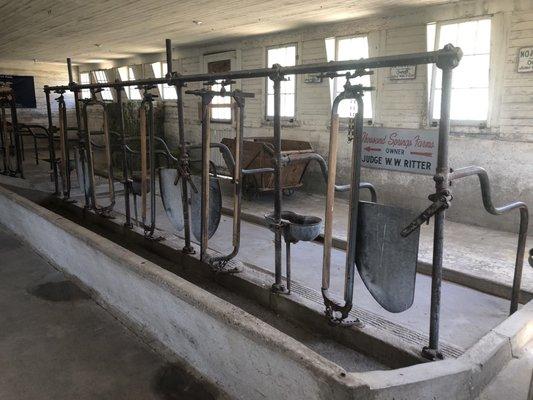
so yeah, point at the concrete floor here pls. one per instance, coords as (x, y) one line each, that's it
(56, 343)
(513, 381)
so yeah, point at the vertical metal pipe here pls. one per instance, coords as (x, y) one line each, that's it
(237, 174)
(278, 285)
(288, 264)
(64, 145)
(70, 74)
(519, 263)
(125, 172)
(3, 137)
(330, 198)
(16, 136)
(91, 186)
(51, 149)
(206, 152)
(442, 186)
(168, 44)
(151, 144)
(83, 142)
(354, 202)
(184, 161)
(144, 162)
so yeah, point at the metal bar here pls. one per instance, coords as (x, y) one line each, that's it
(4, 138)
(64, 146)
(125, 163)
(288, 159)
(354, 203)
(82, 143)
(206, 141)
(288, 264)
(51, 148)
(70, 74)
(237, 178)
(144, 166)
(449, 53)
(330, 196)
(184, 156)
(442, 187)
(168, 44)
(148, 125)
(350, 92)
(278, 284)
(492, 209)
(184, 164)
(151, 144)
(16, 136)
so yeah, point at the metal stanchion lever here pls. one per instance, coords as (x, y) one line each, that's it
(441, 201)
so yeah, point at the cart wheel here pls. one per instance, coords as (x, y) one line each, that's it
(288, 192)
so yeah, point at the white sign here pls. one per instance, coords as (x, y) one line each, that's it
(402, 73)
(406, 150)
(525, 59)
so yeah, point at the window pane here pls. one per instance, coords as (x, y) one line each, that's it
(270, 104)
(135, 94)
(285, 56)
(102, 78)
(352, 49)
(85, 79)
(288, 86)
(169, 92)
(471, 78)
(469, 104)
(287, 105)
(223, 114)
(472, 72)
(220, 113)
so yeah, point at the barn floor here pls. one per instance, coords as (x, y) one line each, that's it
(57, 343)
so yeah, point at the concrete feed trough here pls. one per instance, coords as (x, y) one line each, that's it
(249, 358)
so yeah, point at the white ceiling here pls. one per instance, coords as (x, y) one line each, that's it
(92, 30)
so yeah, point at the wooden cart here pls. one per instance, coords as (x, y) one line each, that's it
(258, 153)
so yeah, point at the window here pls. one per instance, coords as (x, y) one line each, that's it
(220, 105)
(470, 84)
(85, 79)
(349, 48)
(166, 92)
(286, 57)
(102, 78)
(126, 74)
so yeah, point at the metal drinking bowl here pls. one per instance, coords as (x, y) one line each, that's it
(296, 227)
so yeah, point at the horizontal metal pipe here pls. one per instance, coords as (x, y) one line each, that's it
(451, 54)
(485, 189)
(291, 158)
(492, 209)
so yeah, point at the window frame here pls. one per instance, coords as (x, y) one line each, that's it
(234, 58)
(333, 90)
(432, 122)
(107, 89)
(86, 93)
(161, 86)
(270, 118)
(127, 89)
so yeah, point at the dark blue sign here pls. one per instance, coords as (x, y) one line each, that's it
(24, 89)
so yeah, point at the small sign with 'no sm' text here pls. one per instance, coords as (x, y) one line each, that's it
(525, 59)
